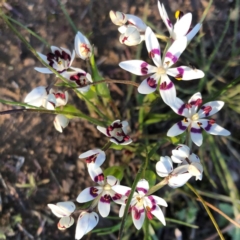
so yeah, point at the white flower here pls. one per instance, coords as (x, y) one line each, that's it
(85, 223)
(63, 210)
(141, 204)
(194, 119)
(130, 36)
(190, 166)
(103, 193)
(162, 68)
(117, 132)
(61, 97)
(80, 78)
(94, 159)
(182, 27)
(40, 97)
(60, 59)
(60, 122)
(83, 47)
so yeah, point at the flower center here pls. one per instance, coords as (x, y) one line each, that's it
(161, 70)
(107, 187)
(195, 117)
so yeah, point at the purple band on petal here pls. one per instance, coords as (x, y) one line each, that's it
(144, 69)
(127, 193)
(117, 196)
(181, 126)
(207, 110)
(172, 57)
(105, 199)
(152, 82)
(140, 189)
(137, 213)
(180, 110)
(169, 23)
(151, 199)
(198, 102)
(99, 178)
(165, 86)
(153, 52)
(94, 192)
(179, 76)
(208, 127)
(196, 130)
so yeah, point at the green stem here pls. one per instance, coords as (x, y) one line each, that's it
(20, 36)
(137, 178)
(68, 17)
(206, 11)
(107, 146)
(207, 210)
(157, 186)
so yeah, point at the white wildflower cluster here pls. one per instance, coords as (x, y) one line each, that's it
(176, 169)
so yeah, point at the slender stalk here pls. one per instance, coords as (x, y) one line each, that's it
(107, 146)
(73, 114)
(157, 186)
(138, 176)
(207, 210)
(116, 81)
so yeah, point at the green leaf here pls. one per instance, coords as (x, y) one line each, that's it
(116, 171)
(150, 176)
(102, 88)
(71, 109)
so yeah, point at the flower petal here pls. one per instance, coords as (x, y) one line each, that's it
(153, 47)
(96, 173)
(137, 67)
(104, 206)
(35, 97)
(165, 17)
(182, 26)
(167, 90)
(123, 190)
(212, 128)
(138, 216)
(180, 153)
(142, 186)
(192, 33)
(176, 181)
(149, 85)
(196, 134)
(174, 52)
(60, 122)
(210, 108)
(157, 212)
(164, 166)
(159, 201)
(43, 70)
(88, 194)
(121, 210)
(112, 181)
(185, 73)
(65, 222)
(178, 128)
(136, 21)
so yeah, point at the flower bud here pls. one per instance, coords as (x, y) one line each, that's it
(131, 36)
(118, 18)
(83, 47)
(60, 122)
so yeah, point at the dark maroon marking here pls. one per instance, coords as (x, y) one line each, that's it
(180, 110)
(137, 213)
(144, 69)
(153, 52)
(198, 102)
(149, 215)
(127, 193)
(165, 86)
(124, 39)
(196, 130)
(199, 124)
(206, 110)
(99, 178)
(172, 57)
(212, 121)
(181, 14)
(151, 82)
(169, 23)
(60, 95)
(152, 199)
(180, 73)
(91, 159)
(140, 189)
(93, 192)
(105, 199)
(181, 126)
(117, 196)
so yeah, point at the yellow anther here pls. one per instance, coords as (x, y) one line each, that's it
(178, 14)
(60, 62)
(178, 78)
